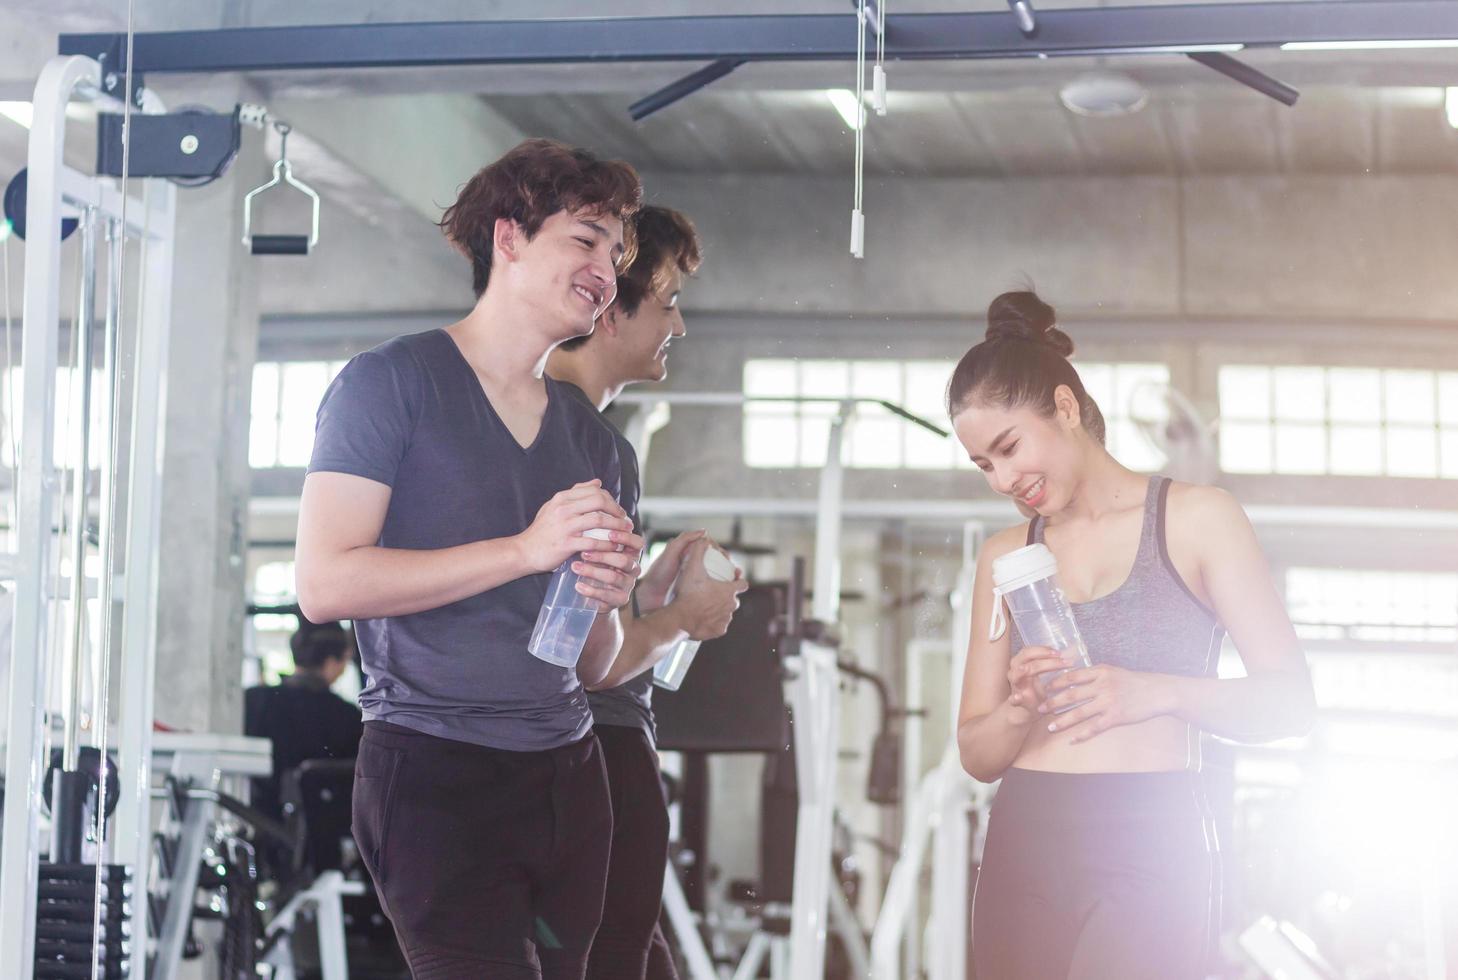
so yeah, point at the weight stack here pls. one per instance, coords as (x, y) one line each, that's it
(65, 926)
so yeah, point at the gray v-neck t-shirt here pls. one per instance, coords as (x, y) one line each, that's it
(411, 414)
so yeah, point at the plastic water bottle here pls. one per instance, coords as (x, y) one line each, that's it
(669, 672)
(1027, 579)
(566, 616)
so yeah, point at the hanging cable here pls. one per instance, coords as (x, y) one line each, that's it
(63, 462)
(103, 695)
(858, 219)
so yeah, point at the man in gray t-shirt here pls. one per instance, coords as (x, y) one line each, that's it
(449, 479)
(630, 345)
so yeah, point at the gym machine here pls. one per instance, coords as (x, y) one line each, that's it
(53, 585)
(98, 890)
(812, 676)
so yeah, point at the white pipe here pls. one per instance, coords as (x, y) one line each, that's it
(685, 929)
(815, 701)
(131, 839)
(75, 667)
(826, 605)
(897, 919)
(994, 510)
(24, 768)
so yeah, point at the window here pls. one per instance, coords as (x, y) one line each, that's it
(1348, 604)
(273, 585)
(1362, 616)
(67, 444)
(1308, 420)
(286, 396)
(1388, 683)
(783, 434)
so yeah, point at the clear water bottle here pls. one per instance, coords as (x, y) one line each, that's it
(669, 672)
(566, 616)
(1027, 579)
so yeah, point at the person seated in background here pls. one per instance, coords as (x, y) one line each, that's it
(300, 715)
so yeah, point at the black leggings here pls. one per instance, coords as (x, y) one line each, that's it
(1095, 876)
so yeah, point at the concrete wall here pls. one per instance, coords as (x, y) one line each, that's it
(1264, 247)
(206, 476)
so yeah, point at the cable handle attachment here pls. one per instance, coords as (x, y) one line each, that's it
(282, 174)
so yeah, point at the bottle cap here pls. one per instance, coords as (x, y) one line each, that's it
(1013, 571)
(1022, 567)
(719, 567)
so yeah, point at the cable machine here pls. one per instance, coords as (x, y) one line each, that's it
(51, 622)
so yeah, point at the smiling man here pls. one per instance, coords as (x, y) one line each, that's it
(630, 345)
(449, 478)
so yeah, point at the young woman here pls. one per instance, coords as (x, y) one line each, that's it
(1098, 863)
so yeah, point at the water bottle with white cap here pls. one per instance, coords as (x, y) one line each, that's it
(1027, 579)
(566, 616)
(669, 672)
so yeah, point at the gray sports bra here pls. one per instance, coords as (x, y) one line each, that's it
(1153, 622)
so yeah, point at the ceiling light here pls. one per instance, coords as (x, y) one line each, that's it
(1103, 94)
(1368, 45)
(1189, 49)
(19, 112)
(1150, 49)
(844, 101)
(1450, 103)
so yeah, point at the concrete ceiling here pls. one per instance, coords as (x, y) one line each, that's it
(1201, 128)
(1360, 112)
(390, 147)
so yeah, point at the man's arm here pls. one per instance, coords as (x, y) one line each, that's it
(602, 650)
(647, 639)
(701, 610)
(342, 573)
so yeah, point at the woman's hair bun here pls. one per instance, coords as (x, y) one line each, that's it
(1021, 315)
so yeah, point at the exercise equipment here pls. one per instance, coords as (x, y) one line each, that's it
(811, 678)
(15, 193)
(192, 146)
(117, 572)
(283, 173)
(734, 698)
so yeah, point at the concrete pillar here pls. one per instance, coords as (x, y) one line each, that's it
(206, 476)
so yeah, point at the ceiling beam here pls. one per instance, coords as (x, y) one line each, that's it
(773, 37)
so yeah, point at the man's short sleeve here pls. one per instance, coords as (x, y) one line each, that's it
(364, 421)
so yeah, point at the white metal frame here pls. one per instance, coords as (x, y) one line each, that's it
(813, 693)
(53, 189)
(326, 896)
(937, 822)
(814, 696)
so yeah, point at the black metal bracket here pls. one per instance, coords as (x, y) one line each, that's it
(110, 52)
(191, 144)
(689, 84)
(1246, 75)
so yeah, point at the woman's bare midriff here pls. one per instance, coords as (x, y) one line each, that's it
(1157, 745)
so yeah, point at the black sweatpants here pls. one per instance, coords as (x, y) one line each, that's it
(489, 863)
(630, 943)
(1095, 876)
